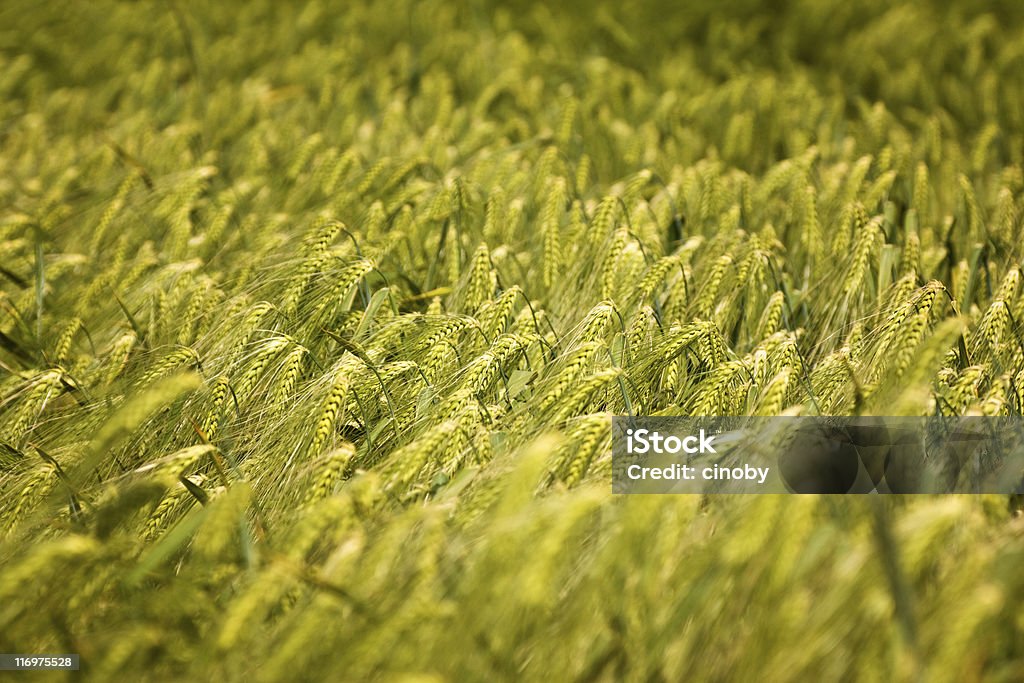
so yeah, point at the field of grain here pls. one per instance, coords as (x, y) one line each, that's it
(313, 318)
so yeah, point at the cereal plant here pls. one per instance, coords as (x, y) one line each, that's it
(313, 318)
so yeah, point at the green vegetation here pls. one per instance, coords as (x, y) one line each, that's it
(313, 318)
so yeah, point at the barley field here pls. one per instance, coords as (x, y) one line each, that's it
(313, 318)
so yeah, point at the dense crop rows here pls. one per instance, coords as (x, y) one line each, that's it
(312, 321)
